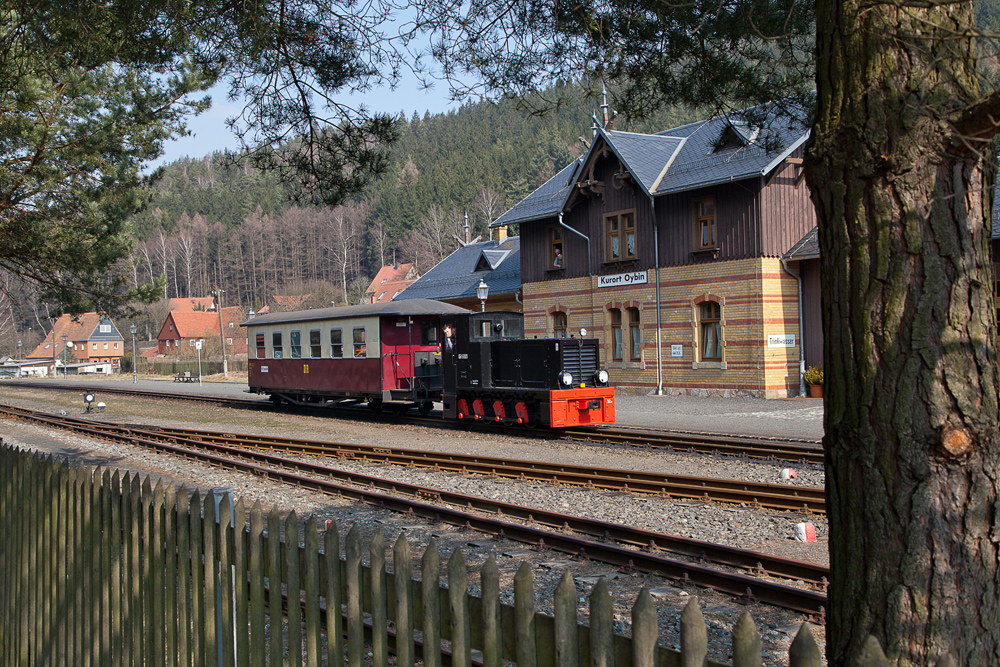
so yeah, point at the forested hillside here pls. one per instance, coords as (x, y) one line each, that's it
(210, 225)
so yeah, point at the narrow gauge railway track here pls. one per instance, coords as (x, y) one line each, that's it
(586, 538)
(777, 449)
(773, 496)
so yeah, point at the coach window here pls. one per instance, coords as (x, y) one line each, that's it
(315, 344)
(261, 348)
(336, 343)
(360, 349)
(559, 325)
(296, 344)
(710, 326)
(616, 334)
(428, 333)
(276, 345)
(635, 335)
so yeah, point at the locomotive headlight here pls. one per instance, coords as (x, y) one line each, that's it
(602, 376)
(566, 378)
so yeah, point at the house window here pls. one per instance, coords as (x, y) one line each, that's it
(105, 328)
(191, 342)
(261, 349)
(116, 346)
(555, 248)
(105, 346)
(229, 341)
(296, 344)
(360, 349)
(705, 223)
(621, 236)
(336, 343)
(95, 345)
(635, 335)
(710, 327)
(168, 344)
(616, 334)
(559, 325)
(276, 345)
(315, 344)
(231, 325)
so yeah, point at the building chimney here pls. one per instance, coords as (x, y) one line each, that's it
(500, 233)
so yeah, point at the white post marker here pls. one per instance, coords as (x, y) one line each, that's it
(197, 344)
(805, 532)
(787, 473)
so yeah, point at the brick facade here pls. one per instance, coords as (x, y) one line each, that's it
(757, 299)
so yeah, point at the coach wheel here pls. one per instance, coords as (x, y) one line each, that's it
(425, 408)
(276, 399)
(375, 405)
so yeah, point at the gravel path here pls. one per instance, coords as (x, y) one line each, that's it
(744, 527)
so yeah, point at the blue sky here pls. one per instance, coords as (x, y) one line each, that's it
(209, 131)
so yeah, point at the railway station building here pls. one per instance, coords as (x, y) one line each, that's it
(686, 252)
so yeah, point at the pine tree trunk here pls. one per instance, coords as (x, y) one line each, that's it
(903, 197)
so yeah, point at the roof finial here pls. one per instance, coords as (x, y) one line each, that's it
(466, 227)
(604, 104)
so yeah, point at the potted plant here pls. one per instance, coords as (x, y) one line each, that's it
(814, 378)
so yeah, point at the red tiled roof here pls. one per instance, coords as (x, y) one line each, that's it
(387, 291)
(190, 304)
(294, 301)
(78, 329)
(390, 274)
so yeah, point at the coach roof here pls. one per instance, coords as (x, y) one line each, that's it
(387, 309)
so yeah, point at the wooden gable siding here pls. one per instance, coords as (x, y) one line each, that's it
(787, 209)
(737, 223)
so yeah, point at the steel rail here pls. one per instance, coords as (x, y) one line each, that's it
(757, 494)
(307, 475)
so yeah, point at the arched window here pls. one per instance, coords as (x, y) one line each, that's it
(616, 334)
(710, 328)
(635, 335)
(559, 324)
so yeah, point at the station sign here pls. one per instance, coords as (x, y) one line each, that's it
(787, 340)
(620, 279)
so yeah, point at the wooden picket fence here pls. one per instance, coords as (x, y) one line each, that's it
(103, 569)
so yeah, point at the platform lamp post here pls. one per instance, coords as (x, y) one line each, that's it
(65, 367)
(135, 376)
(482, 291)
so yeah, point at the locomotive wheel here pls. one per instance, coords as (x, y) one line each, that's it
(425, 408)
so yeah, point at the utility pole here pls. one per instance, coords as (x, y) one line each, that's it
(222, 332)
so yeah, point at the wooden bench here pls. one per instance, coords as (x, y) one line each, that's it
(186, 376)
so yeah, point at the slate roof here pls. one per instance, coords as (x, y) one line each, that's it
(676, 160)
(805, 248)
(456, 277)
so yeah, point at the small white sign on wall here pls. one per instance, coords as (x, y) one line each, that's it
(786, 340)
(676, 350)
(634, 278)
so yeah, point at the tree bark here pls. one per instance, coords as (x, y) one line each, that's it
(903, 198)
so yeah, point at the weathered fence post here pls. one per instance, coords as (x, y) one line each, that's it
(355, 627)
(380, 645)
(294, 590)
(804, 651)
(646, 630)
(564, 609)
(746, 643)
(311, 585)
(276, 635)
(430, 568)
(402, 573)
(334, 596)
(602, 628)
(240, 603)
(183, 524)
(458, 604)
(489, 584)
(694, 636)
(258, 640)
(524, 616)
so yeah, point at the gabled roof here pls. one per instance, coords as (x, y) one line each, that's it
(393, 273)
(456, 276)
(198, 324)
(676, 160)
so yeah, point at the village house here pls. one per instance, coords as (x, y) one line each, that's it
(670, 248)
(390, 281)
(182, 330)
(90, 338)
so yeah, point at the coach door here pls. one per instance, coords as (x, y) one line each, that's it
(397, 351)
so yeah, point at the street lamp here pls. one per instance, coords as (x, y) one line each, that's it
(65, 367)
(135, 377)
(482, 291)
(18, 358)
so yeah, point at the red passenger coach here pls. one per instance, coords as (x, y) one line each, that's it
(372, 352)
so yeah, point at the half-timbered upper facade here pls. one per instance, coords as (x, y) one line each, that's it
(669, 248)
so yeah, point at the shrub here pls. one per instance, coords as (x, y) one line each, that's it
(814, 375)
